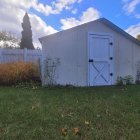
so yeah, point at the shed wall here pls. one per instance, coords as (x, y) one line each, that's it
(71, 47)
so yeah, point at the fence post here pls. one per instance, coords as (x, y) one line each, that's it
(25, 54)
(0, 55)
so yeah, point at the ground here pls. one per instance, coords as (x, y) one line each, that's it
(99, 113)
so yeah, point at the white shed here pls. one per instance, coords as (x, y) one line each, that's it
(91, 54)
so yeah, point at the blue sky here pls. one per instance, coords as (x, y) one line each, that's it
(112, 10)
(49, 16)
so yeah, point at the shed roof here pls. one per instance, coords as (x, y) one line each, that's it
(106, 22)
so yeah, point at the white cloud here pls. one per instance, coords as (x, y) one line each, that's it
(68, 23)
(137, 15)
(40, 28)
(130, 7)
(46, 10)
(74, 11)
(134, 30)
(89, 15)
(11, 15)
(22, 4)
(79, 1)
(56, 7)
(60, 5)
(9, 21)
(12, 12)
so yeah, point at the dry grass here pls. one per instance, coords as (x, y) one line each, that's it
(18, 72)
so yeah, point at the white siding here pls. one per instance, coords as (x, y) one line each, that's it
(71, 46)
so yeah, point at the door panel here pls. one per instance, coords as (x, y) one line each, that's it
(100, 64)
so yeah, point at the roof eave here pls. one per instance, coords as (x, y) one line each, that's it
(106, 22)
(121, 31)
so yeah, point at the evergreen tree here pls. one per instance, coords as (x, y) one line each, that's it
(26, 40)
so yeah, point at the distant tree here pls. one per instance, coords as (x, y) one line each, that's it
(8, 40)
(138, 37)
(26, 40)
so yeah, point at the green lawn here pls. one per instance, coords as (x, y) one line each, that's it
(101, 113)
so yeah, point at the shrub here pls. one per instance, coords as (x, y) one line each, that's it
(127, 80)
(18, 72)
(120, 81)
(138, 73)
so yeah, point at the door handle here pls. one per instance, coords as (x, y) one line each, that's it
(90, 60)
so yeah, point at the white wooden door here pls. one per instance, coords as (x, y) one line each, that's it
(100, 60)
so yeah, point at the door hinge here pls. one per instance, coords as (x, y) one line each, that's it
(90, 60)
(111, 58)
(111, 74)
(111, 43)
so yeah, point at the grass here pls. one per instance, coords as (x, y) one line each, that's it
(99, 113)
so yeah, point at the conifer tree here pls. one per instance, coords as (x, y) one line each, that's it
(26, 40)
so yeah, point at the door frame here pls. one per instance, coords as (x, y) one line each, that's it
(110, 36)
